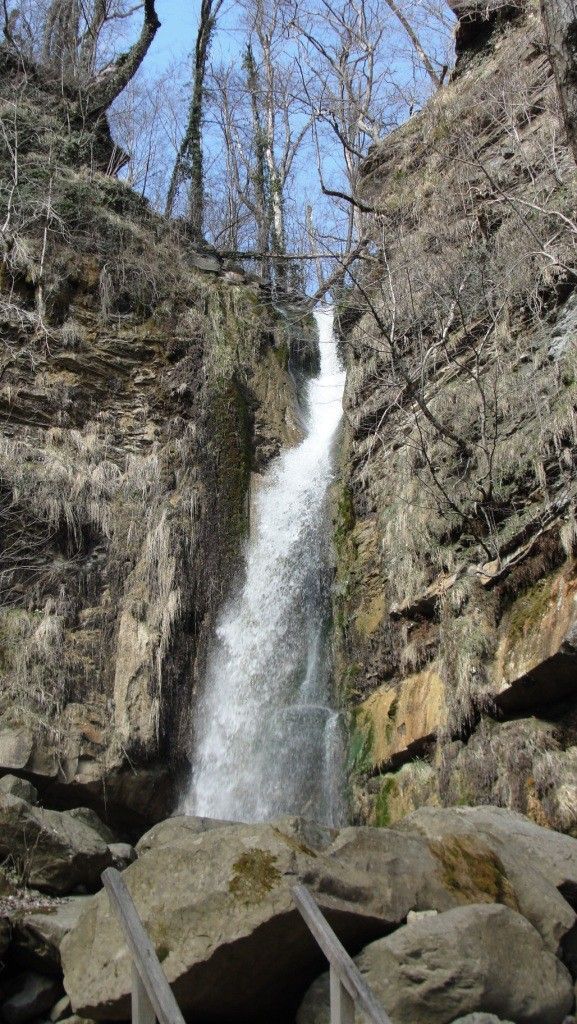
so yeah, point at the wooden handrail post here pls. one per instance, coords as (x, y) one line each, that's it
(152, 996)
(142, 1008)
(342, 1004)
(347, 985)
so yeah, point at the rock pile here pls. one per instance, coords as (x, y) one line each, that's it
(215, 898)
(49, 861)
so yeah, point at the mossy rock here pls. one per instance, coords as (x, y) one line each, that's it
(255, 875)
(529, 609)
(360, 743)
(382, 814)
(473, 871)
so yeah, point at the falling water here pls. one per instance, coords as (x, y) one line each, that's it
(267, 738)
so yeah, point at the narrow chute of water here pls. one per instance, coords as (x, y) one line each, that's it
(268, 740)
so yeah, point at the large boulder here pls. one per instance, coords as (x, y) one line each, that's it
(217, 900)
(38, 935)
(165, 832)
(508, 832)
(212, 896)
(481, 1018)
(475, 958)
(55, 851)
(15, 786)
(467, 869)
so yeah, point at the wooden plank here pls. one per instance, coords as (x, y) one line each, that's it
(342, 1004)
(143, 954)
(345, 968)
(142, 1008)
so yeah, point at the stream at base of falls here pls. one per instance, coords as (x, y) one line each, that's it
(268, 740)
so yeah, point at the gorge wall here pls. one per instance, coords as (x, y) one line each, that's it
(141, 384)
(455, 602)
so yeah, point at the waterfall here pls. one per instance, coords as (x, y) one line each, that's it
(268, 740)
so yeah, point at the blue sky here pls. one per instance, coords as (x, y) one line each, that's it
(175, 37)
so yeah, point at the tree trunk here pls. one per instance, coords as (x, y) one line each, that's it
(189, 160)
(102, 90)
(416, 43)
(560, 21)
(260, 174)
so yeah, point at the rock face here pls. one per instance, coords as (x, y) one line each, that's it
(128, 440)
(215, 896)
(471, 958)
(456, 597)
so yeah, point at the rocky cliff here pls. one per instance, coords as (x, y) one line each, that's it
(141, 386)
(455, 604)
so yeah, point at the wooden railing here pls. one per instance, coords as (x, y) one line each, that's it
(152, 997)
(348, 988)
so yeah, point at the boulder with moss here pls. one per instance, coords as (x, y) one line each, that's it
(212, 894)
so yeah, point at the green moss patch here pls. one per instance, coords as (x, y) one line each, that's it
(529, 609)
(360, 744)
(473, 872)
(255, 875)
(382, 810)
(344, 518)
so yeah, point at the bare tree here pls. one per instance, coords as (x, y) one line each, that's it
(68, 39)
(188, 166)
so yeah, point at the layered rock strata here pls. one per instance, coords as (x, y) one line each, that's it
(455, 601)
(142, 384)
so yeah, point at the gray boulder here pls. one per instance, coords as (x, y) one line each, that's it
(88, 817)
(466, 960)
(14, 786)
(166, 832)
(56, 850)
(34, 995)
(481, 1018)
(210, 893)
(73, 1019)
(212, 896)
(471, 867)
(16, 745)
(552, 853)
(540, 865)
(38, 935)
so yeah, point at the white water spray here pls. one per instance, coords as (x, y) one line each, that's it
(267, 738)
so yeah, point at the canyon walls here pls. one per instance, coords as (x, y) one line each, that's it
(141, 386)
(455, 599)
